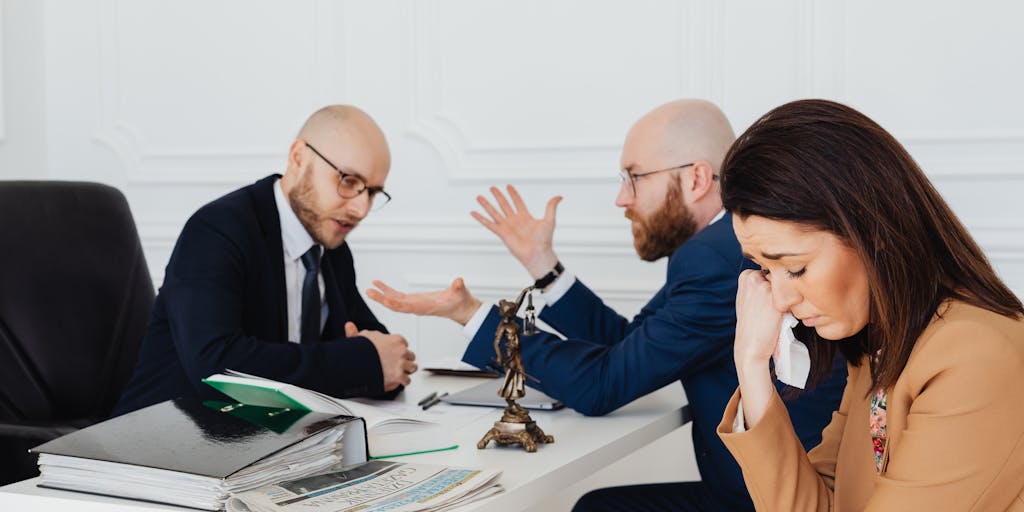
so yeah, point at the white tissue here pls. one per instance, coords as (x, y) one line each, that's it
(792, 361)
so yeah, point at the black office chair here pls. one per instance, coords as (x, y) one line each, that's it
(75, 297)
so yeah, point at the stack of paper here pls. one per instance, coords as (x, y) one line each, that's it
(373, 487)
(190, 454)
(388, 435)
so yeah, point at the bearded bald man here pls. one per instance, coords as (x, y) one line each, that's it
(262, 281)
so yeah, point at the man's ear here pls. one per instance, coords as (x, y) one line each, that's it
(700, 181)
(297, 154)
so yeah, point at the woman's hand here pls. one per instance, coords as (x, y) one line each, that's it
(757, 333)
(757, 322)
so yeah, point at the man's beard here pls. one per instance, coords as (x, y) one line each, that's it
(303, 201)
(666, 229)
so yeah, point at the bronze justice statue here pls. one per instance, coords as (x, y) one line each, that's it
(515, 426)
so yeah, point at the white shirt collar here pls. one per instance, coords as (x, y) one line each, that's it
(717, 217)
(294, 237)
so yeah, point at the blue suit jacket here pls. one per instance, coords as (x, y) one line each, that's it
(684, 333)
(223, 305)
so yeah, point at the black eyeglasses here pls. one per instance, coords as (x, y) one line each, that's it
(351, 185)
(625, 175)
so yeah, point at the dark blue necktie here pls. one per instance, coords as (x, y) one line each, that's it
(310, 323)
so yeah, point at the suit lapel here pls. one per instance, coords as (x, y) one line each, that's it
(270, 224)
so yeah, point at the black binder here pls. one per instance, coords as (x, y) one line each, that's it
(211, 439)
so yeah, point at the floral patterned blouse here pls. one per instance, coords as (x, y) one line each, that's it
(876, 417)
(876, 420)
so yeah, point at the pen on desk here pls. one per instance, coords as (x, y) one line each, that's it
(434, 401)
(427, 399)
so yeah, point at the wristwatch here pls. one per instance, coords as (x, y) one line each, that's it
(550, 277)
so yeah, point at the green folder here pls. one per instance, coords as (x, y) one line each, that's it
(271, 418)
(257, 395)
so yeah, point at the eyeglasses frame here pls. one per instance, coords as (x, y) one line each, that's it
(371, 192)
(626, 175)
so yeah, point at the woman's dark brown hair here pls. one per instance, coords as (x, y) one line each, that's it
(826, 166)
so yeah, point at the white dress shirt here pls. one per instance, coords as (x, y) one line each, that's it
(295, 241)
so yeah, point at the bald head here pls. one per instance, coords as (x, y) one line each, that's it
(683, 131)
(335, 122)
(335, 138)
(687, 139)
(348, 138)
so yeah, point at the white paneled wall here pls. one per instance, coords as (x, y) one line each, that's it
(22, 139)
(179, 102)
(3, 130)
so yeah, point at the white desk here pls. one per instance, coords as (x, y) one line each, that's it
(582, 446)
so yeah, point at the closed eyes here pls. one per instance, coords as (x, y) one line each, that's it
(792, 274)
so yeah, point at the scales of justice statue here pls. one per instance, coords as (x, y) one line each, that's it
(515, 425)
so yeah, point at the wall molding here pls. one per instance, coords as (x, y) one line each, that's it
(822, 49)
(490, 288)
(145, 165)
(3, 114)
(704, 46)
(1001, 240)
(438, 236)
(465, 164)
(822, 73)
(588, 238)
(966, 156)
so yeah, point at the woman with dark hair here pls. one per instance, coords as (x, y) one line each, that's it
(855, 242)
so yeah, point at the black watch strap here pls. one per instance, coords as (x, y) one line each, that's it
(550, 277)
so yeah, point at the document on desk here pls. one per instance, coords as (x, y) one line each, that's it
(375, 486)
(193, 454)
(448, 416)
(388, 434)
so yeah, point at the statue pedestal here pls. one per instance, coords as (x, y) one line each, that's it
(516, 427)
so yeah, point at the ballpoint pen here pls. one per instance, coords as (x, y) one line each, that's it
(427, 399)
(434, 401)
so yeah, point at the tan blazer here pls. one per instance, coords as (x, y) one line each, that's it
(955, 424)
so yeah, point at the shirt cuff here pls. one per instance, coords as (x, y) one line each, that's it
(476, 321)
(738, 424)
(557, 288)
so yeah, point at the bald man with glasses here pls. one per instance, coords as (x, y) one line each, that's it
(262, 281)
(670, 193)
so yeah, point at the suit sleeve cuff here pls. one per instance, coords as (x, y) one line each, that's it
(476, 321)
(557, 288)
(774, 425)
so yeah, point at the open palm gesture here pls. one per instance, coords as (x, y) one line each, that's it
(454, 302)
(529, 239)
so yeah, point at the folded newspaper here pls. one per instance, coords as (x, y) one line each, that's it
(372, 487)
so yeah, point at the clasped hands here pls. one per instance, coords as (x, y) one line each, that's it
(397, 362)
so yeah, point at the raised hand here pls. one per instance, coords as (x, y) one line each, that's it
(527, 238)
(757, 321)
(455, 302)
(757, 333)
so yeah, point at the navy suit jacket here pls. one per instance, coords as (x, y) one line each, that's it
(684, 333)
(223, 305)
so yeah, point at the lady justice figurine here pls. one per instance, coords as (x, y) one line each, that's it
(515, 426)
